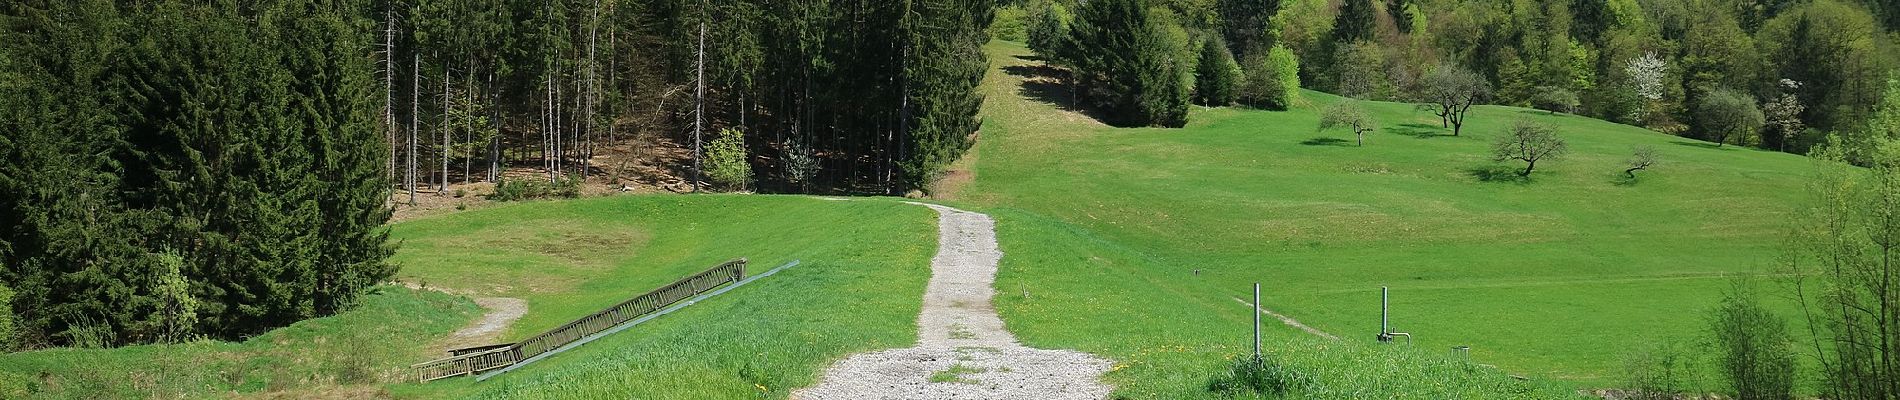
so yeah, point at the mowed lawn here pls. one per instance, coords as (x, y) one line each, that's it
(1146, 236)
(859, 287)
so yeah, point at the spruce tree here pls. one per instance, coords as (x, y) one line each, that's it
(1124, 61)
(1218, 77)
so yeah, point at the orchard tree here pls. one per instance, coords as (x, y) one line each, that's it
(1529, 142)
(1725, 113)
(1348, 114)
(1453, 90)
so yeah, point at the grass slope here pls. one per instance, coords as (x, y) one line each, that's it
(343, 356)
(859, 288)
(1552, 277)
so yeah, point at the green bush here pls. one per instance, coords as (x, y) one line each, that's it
(1217, 80)
(1555, 100)
(529, 189)
(7, 327)
(726, 162)
(1271, 81)
(1011, 24)
(1752, 347)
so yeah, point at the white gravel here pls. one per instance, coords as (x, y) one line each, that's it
(959, 328)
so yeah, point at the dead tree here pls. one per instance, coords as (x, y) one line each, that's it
(415, 97)
(699, 100)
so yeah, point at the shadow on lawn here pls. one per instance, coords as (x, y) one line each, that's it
(1705, 145)
(1049, 85)
(1326, 141)
(1419, 131)
(1498, 173)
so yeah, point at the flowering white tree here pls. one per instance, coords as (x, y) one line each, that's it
(1647, 72)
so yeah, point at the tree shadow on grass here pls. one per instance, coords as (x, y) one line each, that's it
(1031, 58)
(1048, 84)
(1419, 131)
(1705, 145)
(1498, 173)
(1326, 141)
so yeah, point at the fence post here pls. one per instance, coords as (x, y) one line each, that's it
(1256, 320)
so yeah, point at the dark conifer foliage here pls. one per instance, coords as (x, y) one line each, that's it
(240, 140)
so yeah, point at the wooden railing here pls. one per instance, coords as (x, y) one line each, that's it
(481, 361)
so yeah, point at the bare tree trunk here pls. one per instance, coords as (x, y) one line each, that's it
(547, 129)
(389, 82)
(699, 100)
(415, 97)
(445, 131)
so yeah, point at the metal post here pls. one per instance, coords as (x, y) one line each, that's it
(1385, 310)
(1256, 320)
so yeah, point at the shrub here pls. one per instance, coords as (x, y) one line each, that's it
(726, 162)
(1271, 80)
(529, 189)
(1555, 100)
(1657, 372)
(1010, 23)
(7, 327)
(1218, 78)
(1753, 347)
(1725, 113)
(1255, 375)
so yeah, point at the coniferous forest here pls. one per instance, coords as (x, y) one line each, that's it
(180, 169)
(173, 169)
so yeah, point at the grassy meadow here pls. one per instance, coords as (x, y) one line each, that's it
(1134, 243)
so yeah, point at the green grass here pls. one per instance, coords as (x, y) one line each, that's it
(859, 287)
(1550, 277)
(344, 356)
(955, 374)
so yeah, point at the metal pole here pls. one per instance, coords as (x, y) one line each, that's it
(1256, 320)
(1385, 309)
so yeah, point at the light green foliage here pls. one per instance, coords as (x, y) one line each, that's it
(1272, 81)
(1840, 260)
(177, 309)
(1725, 113)
(1011, 24)
(726, 161)
(1556, 100)
(1752, 347)
(8, 328)
(1349, 115)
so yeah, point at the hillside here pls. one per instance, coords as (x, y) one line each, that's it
(1132, 243)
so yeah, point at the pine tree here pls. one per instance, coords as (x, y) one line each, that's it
(1124, 59)
(1218, 77)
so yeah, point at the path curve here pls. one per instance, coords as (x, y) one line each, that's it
(959, 328)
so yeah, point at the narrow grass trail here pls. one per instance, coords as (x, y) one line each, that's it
(963, 350)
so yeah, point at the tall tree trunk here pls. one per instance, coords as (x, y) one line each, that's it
(415, 98)
(445, 131)
(389, 83)
(699, 99)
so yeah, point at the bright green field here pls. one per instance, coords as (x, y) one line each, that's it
(1129, 243)
(1554, 278)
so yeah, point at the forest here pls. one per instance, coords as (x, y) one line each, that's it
(179, 169)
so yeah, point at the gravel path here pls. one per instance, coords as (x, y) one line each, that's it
(963, 351)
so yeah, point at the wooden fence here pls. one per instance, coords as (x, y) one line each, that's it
(470, 363)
